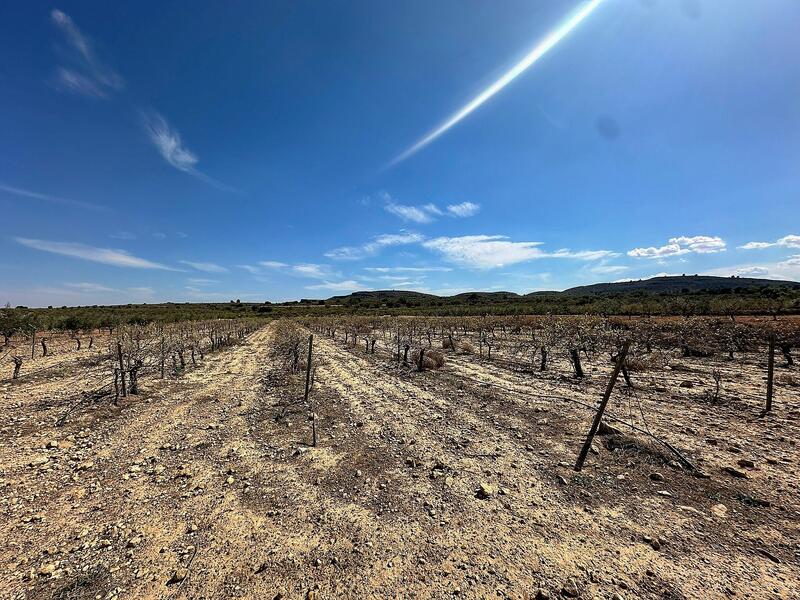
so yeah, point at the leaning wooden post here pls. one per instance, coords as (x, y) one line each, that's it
(308, 388)
(602, 408)
(33, 344)
(121, 369)
(770, 371)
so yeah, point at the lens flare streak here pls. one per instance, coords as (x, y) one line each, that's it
(534, 55)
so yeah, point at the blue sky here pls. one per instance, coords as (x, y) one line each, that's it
(279, 150)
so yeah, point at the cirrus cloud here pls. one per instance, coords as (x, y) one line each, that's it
(108, 256)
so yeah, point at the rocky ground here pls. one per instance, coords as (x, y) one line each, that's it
(448, 483)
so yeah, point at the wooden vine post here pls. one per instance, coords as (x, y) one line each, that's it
(421, 364)
(770, 372)
(121, 369)
(602, 408)
(308, 389)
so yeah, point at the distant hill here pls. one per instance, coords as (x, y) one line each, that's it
(680, 284)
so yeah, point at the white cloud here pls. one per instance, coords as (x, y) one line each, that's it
(90, 287)
(108, 256)
(756, 245)
(337, 286)
(417, 214)
(465, 209)
(408, 269)
(374, 246)
(787, 241)
(272, 264)
(144, 291)
(71, 81)
(207, 267)
(427, 213)
(201, 281)
(788, 269)
(122, 235)
(169, 143)
(608, 269)
(583, 254)
(313, 270)
(490, 251)
(250, 269)
(700, 244)
(48, 198)
(89, 76)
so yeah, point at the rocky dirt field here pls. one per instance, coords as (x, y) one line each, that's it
(449, 483)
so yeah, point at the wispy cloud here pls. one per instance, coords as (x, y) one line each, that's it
(87, 75)
(408, 269)
(250, 269)
(699, 244)
(491, 251)
(168, 143)
(603, 269)
(49, 198)
(108, 256)
(788, 241)
(465, 209)
(90, 287)
(337, 286)
(527, 61)
(417, 214)
(375, 245)
(201, 281)
(122, 235)
(427, 213)
(208, 267)
(314, 271)
(273, 264)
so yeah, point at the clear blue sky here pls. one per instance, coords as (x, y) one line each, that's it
(277, 150)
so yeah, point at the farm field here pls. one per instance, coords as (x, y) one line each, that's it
(450, 481)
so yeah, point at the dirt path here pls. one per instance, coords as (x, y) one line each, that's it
(196, 481)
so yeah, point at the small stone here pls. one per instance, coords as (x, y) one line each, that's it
(178, 576)
(746, 463)
(656, 477)
(561, 480)
(570, 589)
(686, 384)
(359, 473)
(47, 569)
(719, 510)
(735, 472)
(655, 545)
(230, 480)
(542, 595)
(486, 490)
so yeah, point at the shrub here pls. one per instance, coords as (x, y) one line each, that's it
(466, 347)
(432, 359)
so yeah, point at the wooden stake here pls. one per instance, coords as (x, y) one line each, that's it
(33, 344)
(421, 357)
(770, 371)
(601, 409)
(308, 388)
(121, 369)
